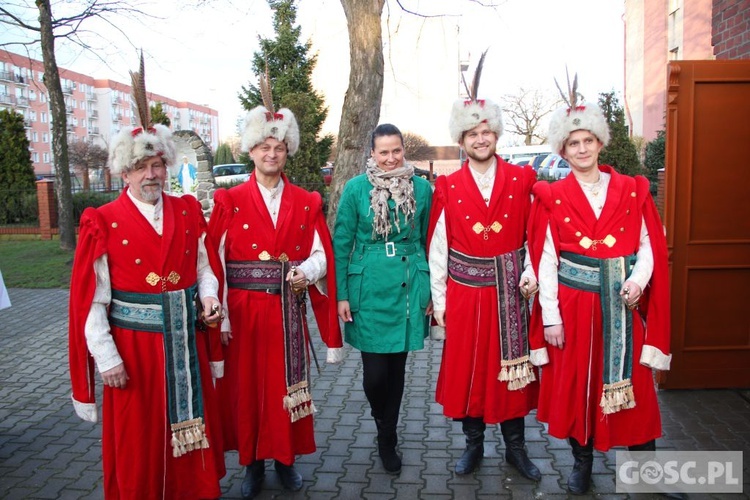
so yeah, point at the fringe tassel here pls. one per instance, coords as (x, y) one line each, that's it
(517, 372)
(298, 402)
(188, 436)
(617, 396)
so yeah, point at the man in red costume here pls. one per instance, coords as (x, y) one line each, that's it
(140, 262)
(476, 254)
(599, 251)
(274, 242)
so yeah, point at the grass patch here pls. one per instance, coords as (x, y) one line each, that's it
(35, 264)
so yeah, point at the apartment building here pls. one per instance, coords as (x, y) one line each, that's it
(96, 108)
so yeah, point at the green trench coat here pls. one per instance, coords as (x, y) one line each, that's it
(387, 285)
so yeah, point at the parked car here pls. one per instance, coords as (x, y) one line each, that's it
(230, 173)
(557, 168)
(537, 161)
(327, 172)
(522, 160)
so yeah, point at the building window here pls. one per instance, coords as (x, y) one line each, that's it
(46, 157)
(45, 137)
(42, 97)
(35, 135)
(36, 157)
(44, 117)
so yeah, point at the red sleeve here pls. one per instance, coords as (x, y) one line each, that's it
(91, 245)
(439, 201)
(215, 351)
(325, 307)
(537, 231)
(656, 305)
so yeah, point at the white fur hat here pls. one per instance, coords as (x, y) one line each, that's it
(133, 144)
(467, 114)
(567, 120)
(261, 124)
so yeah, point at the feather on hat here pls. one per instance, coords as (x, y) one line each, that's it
(263, 122)
(468, 113)
(133, 144)
(575, 116)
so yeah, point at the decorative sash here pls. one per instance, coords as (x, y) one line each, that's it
(504, 273)
(270, 276)
(605, 277)
(173, 315)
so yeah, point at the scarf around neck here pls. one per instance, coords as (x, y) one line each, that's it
(393, 184)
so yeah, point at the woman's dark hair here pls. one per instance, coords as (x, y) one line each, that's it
(385, 129)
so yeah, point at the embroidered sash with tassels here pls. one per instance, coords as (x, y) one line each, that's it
(173, 315)
(605, 277)
(269, 276)
(504, 273)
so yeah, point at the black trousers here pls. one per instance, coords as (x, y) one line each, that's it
(383, 383)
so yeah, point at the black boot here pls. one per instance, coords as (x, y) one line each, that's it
(473, 428)
(644, 452)
(515, 450)
(289, 477)
(387, 440)
(253, 482)
(579, 481)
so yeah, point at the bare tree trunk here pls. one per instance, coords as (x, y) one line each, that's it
(361, 110)
(59, 128)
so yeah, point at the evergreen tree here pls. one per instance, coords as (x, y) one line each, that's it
(16, 169)
(655, 159)
(159, 116)
(223, 154)
(621, 153)
(290, 69)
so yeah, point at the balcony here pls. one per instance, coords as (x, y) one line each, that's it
(94, 113)
(7, 99)
(93, 131)
(68, 89)
(27, 123)
(6, 76)
(69, 109)
(70, 127)
(22, 101)
(90, 96)
(21, 80)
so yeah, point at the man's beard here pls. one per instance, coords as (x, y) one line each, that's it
(151, 194)
(476, 157)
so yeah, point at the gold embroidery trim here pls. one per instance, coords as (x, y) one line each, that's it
(264, 255)
(587, 242)
(479, 228)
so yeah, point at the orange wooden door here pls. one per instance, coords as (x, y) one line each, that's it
(707, 215)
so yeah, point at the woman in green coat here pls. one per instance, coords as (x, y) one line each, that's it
(382, 276)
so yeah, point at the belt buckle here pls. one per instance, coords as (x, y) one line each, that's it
(390, 249)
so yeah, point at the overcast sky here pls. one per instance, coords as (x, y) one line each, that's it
(202, 53)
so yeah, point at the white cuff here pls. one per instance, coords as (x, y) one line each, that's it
(539, 357)
(86, 411)
(654, 358)
(437, 332)
(217, 369)
(335, 355)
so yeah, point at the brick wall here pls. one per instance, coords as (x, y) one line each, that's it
(730, 29)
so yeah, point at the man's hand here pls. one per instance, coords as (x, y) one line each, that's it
(116, 377)
(297, 279)
(555, 335)
(225, 336)
(212, 313)
(631, 294)
(528, 287)
(429, 309)
(344, 312)
(439, 317)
